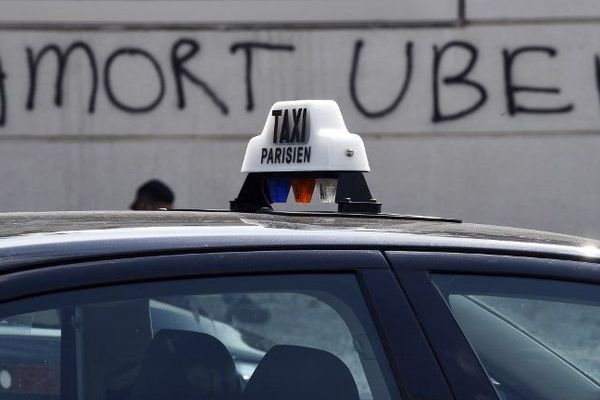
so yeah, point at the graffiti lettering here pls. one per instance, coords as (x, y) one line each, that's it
(408, 50)
(132, 52)
(459, 79)
(511, 89)
(452, 73)
(178, 60)
(33, 62)
(2, 96)
(597, 64)
(247, 47)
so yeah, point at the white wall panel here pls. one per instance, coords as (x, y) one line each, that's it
(531, 9)
(149, 12)
(104, 175)
(533, 163)
(546, 183)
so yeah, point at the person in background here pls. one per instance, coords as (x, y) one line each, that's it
(153, 195)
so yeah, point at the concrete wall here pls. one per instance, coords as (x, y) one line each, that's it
(481, 110)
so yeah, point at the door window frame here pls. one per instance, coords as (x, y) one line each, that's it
(381, 293)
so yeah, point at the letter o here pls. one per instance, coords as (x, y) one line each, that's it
(132, 51)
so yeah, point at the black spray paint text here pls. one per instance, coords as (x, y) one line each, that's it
(185, 78)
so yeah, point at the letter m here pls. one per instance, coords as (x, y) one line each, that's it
(62, 57)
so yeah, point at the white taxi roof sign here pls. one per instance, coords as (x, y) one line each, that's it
(305, 135)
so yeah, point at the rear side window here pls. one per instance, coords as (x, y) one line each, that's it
(537, 339)
(260, 338)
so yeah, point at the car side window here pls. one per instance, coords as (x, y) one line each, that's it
(261, 338)
(537, 339)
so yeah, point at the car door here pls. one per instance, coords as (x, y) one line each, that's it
(508, 327)
(317, 324)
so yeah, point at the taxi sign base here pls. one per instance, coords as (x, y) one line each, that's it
(352, 193)
(253, 196)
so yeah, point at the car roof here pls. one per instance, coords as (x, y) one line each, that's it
(49, 237)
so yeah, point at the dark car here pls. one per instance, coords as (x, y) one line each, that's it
(224, 305)
(259, 304)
